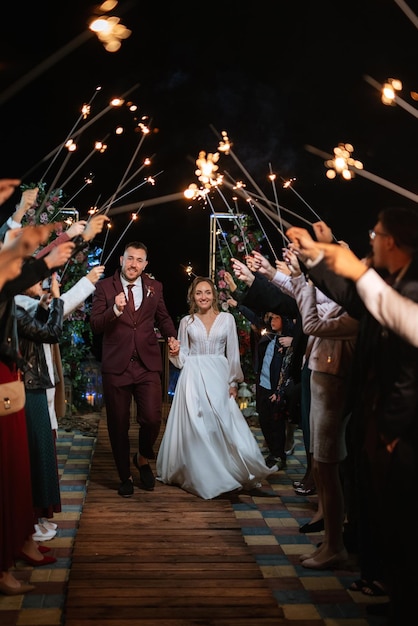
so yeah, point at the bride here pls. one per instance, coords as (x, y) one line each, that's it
(208, 448)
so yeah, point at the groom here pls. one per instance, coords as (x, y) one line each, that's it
(126, 309)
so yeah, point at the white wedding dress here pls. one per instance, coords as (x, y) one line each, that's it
(207, 447)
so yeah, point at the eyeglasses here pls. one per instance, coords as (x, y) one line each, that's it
(373, 234)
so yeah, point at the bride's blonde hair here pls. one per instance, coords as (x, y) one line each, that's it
(193, 308)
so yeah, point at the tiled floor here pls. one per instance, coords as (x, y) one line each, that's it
(270, 526)
(44, 605)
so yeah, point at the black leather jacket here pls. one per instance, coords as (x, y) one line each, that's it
(33, 332)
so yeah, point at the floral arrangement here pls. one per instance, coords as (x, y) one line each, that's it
(76, 339)
(45, 210)
(238, 243)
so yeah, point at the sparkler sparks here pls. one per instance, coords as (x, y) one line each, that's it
(288, 185)
(224, 145)
(134, 217)
(109, 29)
(376, 179)
(389, 95)
(109, 226)
(189, 270)
(207, 168)
(343, 163)
(193, 192)
(76, 133)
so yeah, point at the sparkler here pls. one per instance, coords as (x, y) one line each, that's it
(239, 220)
(189, 270)
(225, 146)
(408, 12)
(99, 146)
(250, 195)
(218, 243)
(262, 208)
(115, 102)
(134, 217)
(239, 188)
(121, 184)
(87, 181)
(109, 226)
(73, 133)
(71, 149)
(56, 151)
(206, 169)
(110, 31)
(389, 94)
(126, 208)
(107, 205)
(376, 179)
(146, 162)
(215, 216)
(272, 177)
(42, 67)
(288, 185)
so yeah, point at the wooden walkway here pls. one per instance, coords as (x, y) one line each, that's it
(161, 558)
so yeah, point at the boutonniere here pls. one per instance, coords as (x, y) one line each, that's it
(150, 291)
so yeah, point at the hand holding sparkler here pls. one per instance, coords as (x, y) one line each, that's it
(55, 286)
(7, 187)
(95, 273)
(27, 201)
(24, 241)
(292, 262)
(76, 229)
(262, 265)
(231, 303)
(59, 255)
(281, 266)
(302, 244)
(230, 282)
(242, 272)
(251, 263)
(94, 226)
(18, 244)
(323, 232)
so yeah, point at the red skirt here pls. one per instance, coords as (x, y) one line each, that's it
(16, 507)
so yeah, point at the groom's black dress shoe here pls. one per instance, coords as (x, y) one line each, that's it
(145, 474)
(126, 489)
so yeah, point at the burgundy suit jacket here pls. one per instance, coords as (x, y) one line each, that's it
(130, 332)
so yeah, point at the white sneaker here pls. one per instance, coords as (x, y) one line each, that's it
(43, 534)
(47, 524)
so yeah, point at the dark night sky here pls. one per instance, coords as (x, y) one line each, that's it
(275, 80)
